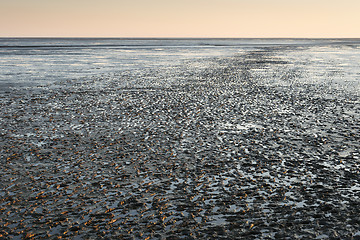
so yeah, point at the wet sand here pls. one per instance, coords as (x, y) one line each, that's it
(221, 151)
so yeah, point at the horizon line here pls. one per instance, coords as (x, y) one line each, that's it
(113, 37)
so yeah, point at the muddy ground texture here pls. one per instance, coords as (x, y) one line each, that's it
(226, 148)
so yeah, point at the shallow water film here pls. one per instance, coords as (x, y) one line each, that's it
(260, 144)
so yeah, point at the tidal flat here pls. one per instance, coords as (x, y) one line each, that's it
(264, 144)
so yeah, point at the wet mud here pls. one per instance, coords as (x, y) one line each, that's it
(225, 148)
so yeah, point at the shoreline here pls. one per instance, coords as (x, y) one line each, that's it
(214, 153)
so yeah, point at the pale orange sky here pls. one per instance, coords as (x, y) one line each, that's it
(180, 18)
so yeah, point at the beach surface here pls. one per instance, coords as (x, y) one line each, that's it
(260, 145)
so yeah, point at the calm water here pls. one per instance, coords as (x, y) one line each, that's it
(29, 61)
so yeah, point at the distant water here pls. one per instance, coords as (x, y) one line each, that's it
(29, 61)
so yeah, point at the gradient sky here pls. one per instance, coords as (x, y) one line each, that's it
(180, 18)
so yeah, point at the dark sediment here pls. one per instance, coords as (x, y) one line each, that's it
(217, 152)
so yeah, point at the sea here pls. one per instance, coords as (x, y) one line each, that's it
(28, 62)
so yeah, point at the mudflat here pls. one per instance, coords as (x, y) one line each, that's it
(247, 147)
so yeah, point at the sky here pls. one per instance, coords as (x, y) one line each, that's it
(181, 18)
